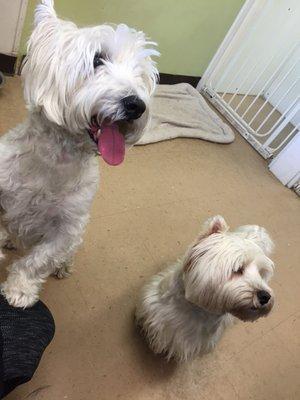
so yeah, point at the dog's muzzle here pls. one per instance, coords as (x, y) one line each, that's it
(134, 107)
(109, 135)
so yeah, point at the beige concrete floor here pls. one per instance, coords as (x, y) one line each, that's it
(145, 214)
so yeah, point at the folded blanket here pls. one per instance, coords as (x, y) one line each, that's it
(181, 111)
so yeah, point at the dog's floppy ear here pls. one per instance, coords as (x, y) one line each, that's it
(258, 235)
(216, 224)
(192, 275)
(39, 69)
(44, 11)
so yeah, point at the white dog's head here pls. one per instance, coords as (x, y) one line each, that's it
(229, 271)
(97, 79)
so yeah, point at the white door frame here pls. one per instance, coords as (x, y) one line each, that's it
(15, 24)
(286, 166)
(19, 30)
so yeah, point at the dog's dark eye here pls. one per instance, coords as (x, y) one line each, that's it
(98, 60)
(241, 270)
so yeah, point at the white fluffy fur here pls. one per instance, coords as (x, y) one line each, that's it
(48, 168)
(184, 310)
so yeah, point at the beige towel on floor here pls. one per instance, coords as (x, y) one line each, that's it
(181, 111)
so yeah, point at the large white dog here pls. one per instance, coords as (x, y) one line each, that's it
(184, 310)
(87, 91)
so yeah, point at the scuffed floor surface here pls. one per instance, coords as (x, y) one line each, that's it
(145, 214)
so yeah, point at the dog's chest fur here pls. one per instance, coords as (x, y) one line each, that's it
(46, 176)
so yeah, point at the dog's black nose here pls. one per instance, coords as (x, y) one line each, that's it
(134, 107)
(263, 297)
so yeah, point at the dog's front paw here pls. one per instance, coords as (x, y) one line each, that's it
(20, 295)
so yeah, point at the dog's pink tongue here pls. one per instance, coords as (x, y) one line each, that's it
(111, 144)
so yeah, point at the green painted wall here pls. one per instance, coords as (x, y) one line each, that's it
(188, 31)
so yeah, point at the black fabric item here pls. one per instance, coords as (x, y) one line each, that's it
(24, 335)
(1, 79)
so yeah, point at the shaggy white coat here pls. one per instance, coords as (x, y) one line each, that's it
(184, 310)
(48, 168)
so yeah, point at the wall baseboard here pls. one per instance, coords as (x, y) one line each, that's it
(170, 79)
(8, 64)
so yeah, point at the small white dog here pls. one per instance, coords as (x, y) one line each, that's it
(184, 310)
(88, 91)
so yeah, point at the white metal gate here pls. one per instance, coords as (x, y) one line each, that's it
(254, 78)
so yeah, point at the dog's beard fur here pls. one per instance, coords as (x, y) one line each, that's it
(60, 78)
(185, 309)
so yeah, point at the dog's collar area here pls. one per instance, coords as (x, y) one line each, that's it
(93, 134)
